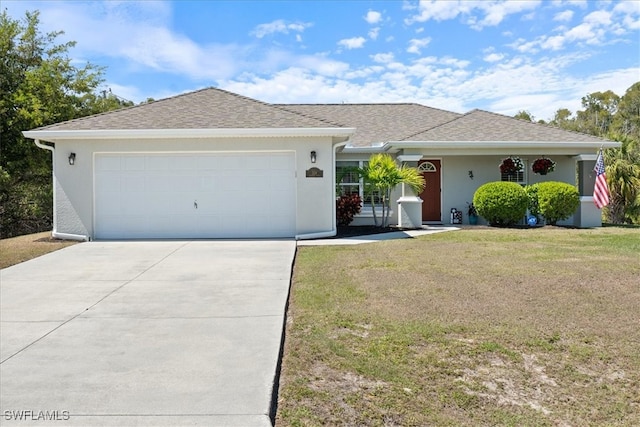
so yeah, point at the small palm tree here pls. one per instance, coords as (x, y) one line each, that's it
(623, 178)
(382, 174)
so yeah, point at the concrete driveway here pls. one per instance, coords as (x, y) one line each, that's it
(144, 333)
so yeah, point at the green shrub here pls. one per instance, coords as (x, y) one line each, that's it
(557, 200)
(501, 203)
(532, 194)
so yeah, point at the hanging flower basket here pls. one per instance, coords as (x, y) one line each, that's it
(511, 166)
(542, 166)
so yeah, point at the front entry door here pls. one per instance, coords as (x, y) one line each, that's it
(431, 195)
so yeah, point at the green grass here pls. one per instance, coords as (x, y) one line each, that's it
(474, 327)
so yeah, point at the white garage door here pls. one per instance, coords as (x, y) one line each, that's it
(187, 195)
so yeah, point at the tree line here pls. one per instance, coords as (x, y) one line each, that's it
(40, 85)
(617, 118)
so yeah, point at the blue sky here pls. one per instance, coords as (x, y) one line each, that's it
(501, 56)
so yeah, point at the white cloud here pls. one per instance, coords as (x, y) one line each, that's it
(477, 14)
(493, 57)
(382, 58)
(352, 43)
(564, 16)
(599, 17)
(372, 17)
(321, 65)
(373, 33)
(553, 43)
(279, 26)
(415, 45)
(140, 37)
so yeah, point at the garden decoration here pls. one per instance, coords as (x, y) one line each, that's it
(473, 213)
(543, 165)
(511, 166)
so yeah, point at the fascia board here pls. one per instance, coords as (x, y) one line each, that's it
(489, 145)
(59, 135)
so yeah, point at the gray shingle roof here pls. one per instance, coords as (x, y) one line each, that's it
(377, 122)
(214, 108)
(204, 109)
(479, 125)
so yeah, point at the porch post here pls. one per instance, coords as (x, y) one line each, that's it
(587, 215)
(409, 206)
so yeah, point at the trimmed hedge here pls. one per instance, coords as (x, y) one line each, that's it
(557, 200)
(501, 203)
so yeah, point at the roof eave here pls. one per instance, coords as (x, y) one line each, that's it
(513, 147)
(59, 135)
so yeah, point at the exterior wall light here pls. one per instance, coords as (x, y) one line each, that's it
(313, 157)
(72, 159)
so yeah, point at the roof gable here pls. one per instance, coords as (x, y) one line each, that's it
(209, 108)
(479, 125)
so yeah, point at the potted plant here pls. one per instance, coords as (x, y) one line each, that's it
(473, 213)
(511, 165)
(542, 166)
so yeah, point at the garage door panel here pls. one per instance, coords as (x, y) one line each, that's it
(111, 204)
(232, 163)
(187, 163)
(155, 196)
(108, 163)
(134, 163)
(157, 163)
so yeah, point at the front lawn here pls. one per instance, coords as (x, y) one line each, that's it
(475, 327)
(15, 250)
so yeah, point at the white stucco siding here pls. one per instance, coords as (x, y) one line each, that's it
(458, 188)
(314, 196)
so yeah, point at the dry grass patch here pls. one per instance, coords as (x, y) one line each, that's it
(474, 327)
(22, 248)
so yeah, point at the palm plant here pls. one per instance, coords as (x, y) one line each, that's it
(623, 178)
(382, 174)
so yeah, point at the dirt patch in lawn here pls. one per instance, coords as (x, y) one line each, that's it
(22, 248)
(476, 327)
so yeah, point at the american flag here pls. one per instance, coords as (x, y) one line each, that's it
(600, 190)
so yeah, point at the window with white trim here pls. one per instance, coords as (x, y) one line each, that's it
(518, 177)
(427, 167)
(349, 182)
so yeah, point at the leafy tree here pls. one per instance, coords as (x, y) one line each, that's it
(524, 115)
(617, 118)
(597, 116)
(564, 119)
(627, 119)
(39, 86)
(383, 174)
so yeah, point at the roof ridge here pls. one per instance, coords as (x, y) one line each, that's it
(324, 120)
(436, 126)
(351, 104)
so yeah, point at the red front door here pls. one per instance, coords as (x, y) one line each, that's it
(431, 195)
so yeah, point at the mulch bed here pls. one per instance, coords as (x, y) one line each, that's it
(362, 230)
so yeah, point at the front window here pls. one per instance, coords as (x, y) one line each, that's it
(518, 177)
(349, 182)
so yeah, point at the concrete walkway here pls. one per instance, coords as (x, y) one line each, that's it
(394, 235)
(144, 333)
